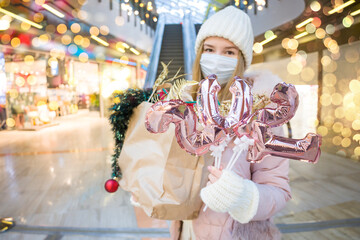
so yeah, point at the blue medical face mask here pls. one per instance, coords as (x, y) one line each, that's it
(222, 66)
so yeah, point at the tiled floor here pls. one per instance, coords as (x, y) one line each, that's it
(55, 177)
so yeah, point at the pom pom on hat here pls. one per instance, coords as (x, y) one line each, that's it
(233, 24)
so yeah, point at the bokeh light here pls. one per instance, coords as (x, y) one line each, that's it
(83, 15)
(29, 60)
(354, 86)
(119, 20)
(61, 28)
(348, 21)
(38, 17)
(268, 34)
(75, 27)
(78, 39)
(320, 33)
(325, 99)
(330, 29)
(307, 74)
(85, 43)
(315, 6)
(15, 42)
(257, 48)
(83, 57)
(5, 39)
(294, 67)
(322, 130)
(104, 30)
(310, 28)
(94, 31)
(31, 80)
(10, 122)
(336, 98)
(66, 39)
(20, 81)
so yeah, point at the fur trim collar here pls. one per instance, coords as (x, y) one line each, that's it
(264, 81)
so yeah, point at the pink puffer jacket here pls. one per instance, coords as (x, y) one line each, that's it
(271, 179)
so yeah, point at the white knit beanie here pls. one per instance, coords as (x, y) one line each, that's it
(233, 24)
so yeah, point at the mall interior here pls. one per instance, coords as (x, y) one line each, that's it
(64, 62)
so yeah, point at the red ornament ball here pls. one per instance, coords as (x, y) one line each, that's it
(111, 185)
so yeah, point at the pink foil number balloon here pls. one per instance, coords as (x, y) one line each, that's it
(258, 125)
(239, 121)
(162, 113)
(208, 107)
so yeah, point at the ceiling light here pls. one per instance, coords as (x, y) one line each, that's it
(136, 52)
(268, 40)
(341, 6)
(355, 13)
(125, 45)
(99, 40)
(309, 20)
(53, 11)
(21, 18)
(300, 35)
(120, 49)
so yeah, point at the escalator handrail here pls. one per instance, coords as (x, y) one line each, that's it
(155, 53)
(189, 37)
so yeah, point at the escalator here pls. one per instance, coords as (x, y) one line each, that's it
(172, 42)
(172, 49)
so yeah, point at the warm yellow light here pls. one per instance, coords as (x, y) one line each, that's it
(94, 31)
(268, 40)
(29, 60)
(136, 52)
(53, 11)
(120, 49)
(300, 35)
(309, 20)
(355, 13)
(315, 6)
(85, 43)
(61, 28)
(4, 24)
(341, 6)
(78, 39)
(75, 27)
(66, 39)
(10, 122)
(125, 45)
(20, 18)
(83, 57)
(99, 40)
(257, 48)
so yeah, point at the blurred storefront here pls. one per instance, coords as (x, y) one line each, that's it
(58, 62)
(37, 89)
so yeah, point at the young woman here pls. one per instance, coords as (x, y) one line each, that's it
(239, 202)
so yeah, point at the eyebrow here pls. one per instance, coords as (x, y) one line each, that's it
(209, 45)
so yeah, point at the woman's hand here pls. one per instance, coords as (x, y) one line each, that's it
(214, 175)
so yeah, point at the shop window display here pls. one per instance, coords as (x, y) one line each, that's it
(116, 77)
(37, 92)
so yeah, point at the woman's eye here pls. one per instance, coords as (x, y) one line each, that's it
(208, 50)
(230, 53)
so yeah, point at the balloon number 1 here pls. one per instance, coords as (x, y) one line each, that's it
(253, 130)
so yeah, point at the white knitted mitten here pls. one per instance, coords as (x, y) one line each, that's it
(233, 194)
